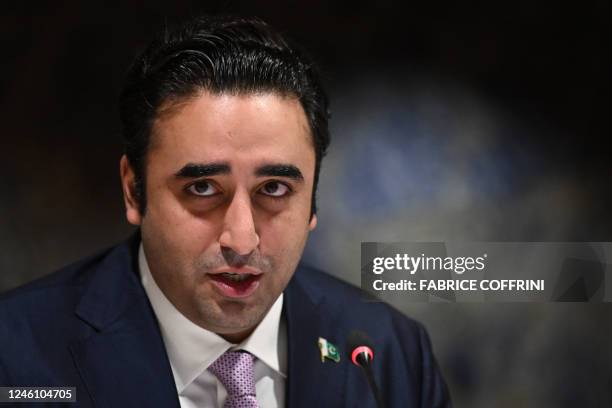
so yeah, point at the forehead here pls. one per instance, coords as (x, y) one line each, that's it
(230, 127)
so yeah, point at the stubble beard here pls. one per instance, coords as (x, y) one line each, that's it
(228, 316)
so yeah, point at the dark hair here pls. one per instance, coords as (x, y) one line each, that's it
(220, 55)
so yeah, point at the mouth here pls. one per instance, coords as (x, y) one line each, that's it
(235, 285)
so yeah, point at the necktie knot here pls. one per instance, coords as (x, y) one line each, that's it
(235, 371)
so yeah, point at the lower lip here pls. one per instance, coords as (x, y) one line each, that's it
(236, 290)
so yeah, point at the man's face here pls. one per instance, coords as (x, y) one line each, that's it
(229, 182)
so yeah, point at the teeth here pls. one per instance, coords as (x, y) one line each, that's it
(236, 277)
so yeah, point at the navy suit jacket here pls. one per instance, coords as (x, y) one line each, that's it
(91, 326)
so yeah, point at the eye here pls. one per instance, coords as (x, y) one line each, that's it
(275, 189)
(203, 189)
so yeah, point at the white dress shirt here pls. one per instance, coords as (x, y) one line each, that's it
(191, 349)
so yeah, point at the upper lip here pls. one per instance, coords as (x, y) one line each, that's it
(243, 270)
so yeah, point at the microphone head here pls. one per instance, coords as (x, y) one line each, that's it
(360, 348)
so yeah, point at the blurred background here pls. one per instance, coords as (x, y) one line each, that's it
(450, 122)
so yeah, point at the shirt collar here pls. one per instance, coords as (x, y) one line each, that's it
(191, 348)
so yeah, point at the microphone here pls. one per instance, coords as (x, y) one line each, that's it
(361, 353)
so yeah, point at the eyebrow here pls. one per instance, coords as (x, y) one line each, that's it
(195, 170)
(280, 170)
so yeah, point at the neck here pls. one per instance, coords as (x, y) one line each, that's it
(238, 337)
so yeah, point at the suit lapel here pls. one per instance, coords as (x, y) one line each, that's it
(311, 382)
(124, 361)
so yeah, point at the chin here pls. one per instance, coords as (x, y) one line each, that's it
(230, 316)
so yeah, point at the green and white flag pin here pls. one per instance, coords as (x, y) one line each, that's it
(328, 350)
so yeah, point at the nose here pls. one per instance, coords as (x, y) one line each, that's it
(239, 233)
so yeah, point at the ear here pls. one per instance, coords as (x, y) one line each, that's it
(128, 180)
(313, 222)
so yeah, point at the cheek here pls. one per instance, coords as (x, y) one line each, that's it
(178, 238)
(283, 235)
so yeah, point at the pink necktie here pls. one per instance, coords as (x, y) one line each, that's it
(235, 371)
